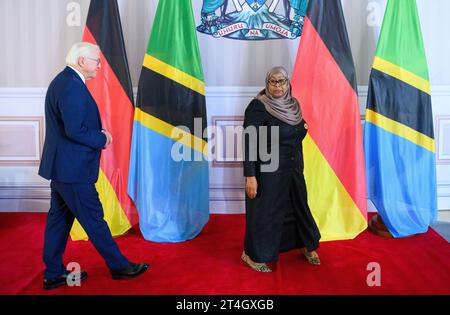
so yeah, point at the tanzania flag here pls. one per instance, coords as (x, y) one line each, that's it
(113, 93)
(324, 83)
(398, 139)
(168, 167)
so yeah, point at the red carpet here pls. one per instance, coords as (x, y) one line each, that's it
(210, 264)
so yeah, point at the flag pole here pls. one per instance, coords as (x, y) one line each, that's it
(377, 226)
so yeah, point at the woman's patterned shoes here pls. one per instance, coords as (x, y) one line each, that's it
(261, 267)
(311, 257)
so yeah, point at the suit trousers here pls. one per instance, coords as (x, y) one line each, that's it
(80, 201)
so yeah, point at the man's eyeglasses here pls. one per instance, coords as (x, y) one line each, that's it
(280, 82)
(97, 60)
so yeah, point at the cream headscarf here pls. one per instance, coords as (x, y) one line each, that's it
(285, 108)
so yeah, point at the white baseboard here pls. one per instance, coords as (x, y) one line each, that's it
(221, 199)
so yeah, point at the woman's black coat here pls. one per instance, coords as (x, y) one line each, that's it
(278, 218)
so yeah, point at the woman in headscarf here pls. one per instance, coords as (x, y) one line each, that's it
(278, 217)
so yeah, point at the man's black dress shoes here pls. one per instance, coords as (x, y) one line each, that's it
(61, 280)
(132, 271)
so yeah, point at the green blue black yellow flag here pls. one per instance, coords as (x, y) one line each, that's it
(168, 169)
(399, 139)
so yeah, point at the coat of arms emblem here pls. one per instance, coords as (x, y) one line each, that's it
(253, 19)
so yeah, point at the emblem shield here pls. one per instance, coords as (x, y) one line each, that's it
(256, 4)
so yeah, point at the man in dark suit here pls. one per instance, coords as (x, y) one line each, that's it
(71, 158)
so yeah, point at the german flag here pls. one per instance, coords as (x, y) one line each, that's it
(324, 82)
(113, 93)
(398, 136)
(168, 167)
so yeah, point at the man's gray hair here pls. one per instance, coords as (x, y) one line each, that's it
(81, 49)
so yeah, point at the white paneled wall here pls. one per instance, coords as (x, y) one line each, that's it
(35, 37)
(21, 189)
(36, 34)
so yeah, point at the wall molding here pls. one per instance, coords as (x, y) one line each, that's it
(443, 189)
(24, 195)
(8, 124)
(21, 93)
(211, 91)
(440, 121)
(436, 90)
(26, 191)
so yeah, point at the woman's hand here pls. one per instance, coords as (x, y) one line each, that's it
(251, 186)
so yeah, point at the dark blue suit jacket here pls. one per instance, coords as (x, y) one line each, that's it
(73, 137)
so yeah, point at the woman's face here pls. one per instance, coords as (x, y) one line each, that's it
(278, 85)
